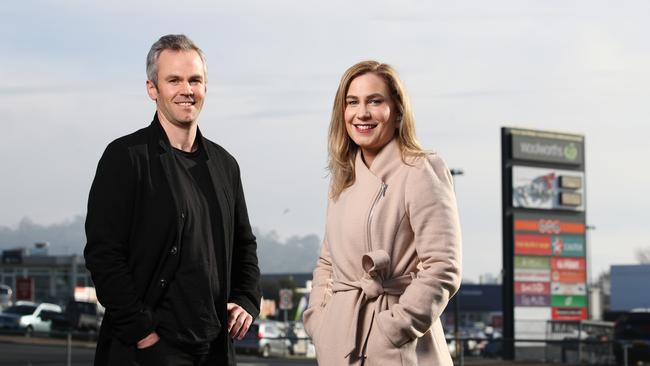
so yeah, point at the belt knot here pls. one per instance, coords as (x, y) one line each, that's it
(375, 265)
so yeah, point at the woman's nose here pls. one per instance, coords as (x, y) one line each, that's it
(363, 112)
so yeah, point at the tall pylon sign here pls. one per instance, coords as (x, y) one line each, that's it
(544, 221)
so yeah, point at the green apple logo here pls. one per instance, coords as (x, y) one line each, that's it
(571, 151)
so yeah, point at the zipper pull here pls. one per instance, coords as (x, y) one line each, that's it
(384, 186)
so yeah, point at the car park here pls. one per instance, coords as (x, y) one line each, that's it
(265, 338)
(26, 317)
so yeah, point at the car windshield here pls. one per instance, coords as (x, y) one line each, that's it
(21, 310)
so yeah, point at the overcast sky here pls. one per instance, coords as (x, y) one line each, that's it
(73, 79)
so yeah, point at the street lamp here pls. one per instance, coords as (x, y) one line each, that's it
(594, 310)
(458, 348)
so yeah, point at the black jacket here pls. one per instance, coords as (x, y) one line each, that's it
(134, 230)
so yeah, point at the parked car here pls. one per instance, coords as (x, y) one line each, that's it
(27, 317)
(632, 330)
(298, 339)
(5, 296)
(265, 338)
(79, 316)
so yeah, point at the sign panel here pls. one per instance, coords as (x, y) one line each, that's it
(532, 262)
(532, 300)
(532, 288)
(549, 226)
(569, 301)
(568, 245)
(568, 263)
(540, 188)
(25, 289)
(286, 299)
(558, 288)
(568, 276)
(533, 244)
(547, 147)
(532, 275)
(569, 314)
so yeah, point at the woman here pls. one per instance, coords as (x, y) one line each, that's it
(390, 259)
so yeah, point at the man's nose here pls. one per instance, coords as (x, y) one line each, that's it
(187, 89)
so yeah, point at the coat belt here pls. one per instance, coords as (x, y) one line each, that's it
(374, 284)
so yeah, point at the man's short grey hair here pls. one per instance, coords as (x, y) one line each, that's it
(176, 42)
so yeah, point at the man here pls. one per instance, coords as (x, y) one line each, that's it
(170, 248)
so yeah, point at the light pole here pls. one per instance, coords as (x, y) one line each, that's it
(594, 310)
(588, 229)
(459, 347)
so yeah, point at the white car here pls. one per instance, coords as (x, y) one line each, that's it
(5, 296)
(27, 317)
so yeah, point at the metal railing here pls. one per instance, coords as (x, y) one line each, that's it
(564, 351)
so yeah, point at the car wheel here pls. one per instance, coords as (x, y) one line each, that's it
(29, 331)
(266, 351)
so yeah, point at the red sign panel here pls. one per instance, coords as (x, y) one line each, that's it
(532, 244)
(544, 226)
(532, 288)
(568, 276)
(25, 289)
(568, 264)
(569, 314)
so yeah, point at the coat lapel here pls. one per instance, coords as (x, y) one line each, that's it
(216, 169)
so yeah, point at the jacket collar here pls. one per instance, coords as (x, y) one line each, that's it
(385, 164)
(158, 134)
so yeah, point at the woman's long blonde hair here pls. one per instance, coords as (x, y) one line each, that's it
(342, 150)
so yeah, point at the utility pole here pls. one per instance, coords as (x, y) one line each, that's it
(459, 343)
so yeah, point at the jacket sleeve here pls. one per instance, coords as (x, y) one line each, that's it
(432, 212)
(245, 273)
(108, 224)
(321, 290)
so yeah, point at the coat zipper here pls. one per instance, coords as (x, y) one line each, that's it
(382, 192)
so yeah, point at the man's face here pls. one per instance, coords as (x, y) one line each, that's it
(181, 87)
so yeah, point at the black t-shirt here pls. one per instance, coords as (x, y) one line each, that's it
(193, 308)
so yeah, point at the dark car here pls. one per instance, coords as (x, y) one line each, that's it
(632, 331)
(79, 316)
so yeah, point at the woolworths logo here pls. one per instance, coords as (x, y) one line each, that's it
(550, 150)
(571, 151)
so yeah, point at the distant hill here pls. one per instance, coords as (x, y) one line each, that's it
(295, 254)
(65, 238)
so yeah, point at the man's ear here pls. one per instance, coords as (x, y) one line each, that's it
(152, 90)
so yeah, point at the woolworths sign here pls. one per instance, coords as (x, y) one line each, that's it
(547, 147)
(544, 220)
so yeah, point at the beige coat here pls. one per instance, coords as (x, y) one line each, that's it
(389, 263)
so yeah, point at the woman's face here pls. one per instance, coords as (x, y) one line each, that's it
(370, 116)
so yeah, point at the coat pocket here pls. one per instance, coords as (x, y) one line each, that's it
(380, 351)
(313, 320)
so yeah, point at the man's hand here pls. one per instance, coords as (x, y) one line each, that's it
(148, 341)
(238, 321)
